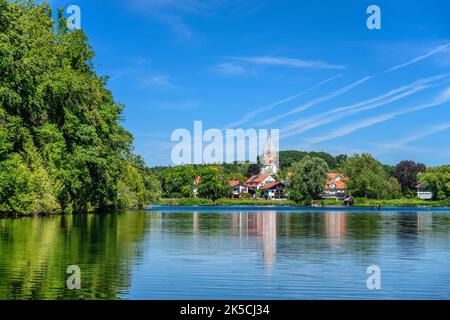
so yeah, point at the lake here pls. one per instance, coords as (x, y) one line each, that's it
(229, 253)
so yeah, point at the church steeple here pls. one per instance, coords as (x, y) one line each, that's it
(270, 158)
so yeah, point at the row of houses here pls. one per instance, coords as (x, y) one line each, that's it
(271, 189)
(335, 188)
(266, 185)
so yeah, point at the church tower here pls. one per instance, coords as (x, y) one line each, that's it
(269, 159)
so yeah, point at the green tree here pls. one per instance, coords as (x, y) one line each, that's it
(236, 177)
(367, 177)
(287, 158)
(308, 179)
(132, 192)
(178, 181)
(253, 170)
(340, 160)
(62, 147)
(213, 185)
(437, 180)
(406, 173)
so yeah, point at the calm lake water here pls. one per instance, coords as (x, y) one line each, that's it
(228, 253)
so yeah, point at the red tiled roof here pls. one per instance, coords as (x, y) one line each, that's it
(333, 177)
(270, 185)
(257, 179)
(234, 183)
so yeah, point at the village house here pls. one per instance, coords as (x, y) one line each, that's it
(335, 187)
(269, 167)
(197, 181)
(260, 180)
(238, 189)
(423, 192)
(274, 191)
(264, 178)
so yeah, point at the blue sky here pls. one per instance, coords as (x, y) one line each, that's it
(309, 68)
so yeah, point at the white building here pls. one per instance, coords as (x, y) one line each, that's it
(269, 159)
(423, 193)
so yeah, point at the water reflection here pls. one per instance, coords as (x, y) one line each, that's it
(236, 254)
(35, 254)
(336, 228)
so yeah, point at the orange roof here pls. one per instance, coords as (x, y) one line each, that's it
(234, 183)
(255, 180)
(258, 178)
(270, 185)
(197, 180)
(338, 179)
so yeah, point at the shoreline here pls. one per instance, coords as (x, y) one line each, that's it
(174, 208)
(229, 204)
(359, 202)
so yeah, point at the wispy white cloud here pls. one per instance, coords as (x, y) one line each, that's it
(353, 85)
(229, 69)
(170, 12)
(174, 13)
(316, 101)
(421, 134)
(420, 58)
(288, 62)
(304, 125)
(160, 80)
(250, 115)
(140, 72)
(177, 106)
(439, 100)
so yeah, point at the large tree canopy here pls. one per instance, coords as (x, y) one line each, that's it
(437, 180)
(61, 145)
(287, 158)
(308, 179)
(368, 178)
(406, 173)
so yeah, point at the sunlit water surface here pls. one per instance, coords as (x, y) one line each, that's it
(219, 253)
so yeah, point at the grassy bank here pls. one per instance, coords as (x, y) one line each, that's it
(401, 203)
(360, 202)
(222, 202)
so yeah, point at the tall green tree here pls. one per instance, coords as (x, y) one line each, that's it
(253, 170)
(367, 177)
(287, 158)
(62, 146)
(308, 179)
(437, 180)
(178, 181)
(213, 184)
(406, 173)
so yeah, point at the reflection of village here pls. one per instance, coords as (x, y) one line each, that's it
(268, 227)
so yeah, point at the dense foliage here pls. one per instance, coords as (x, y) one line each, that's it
(62, 148)
(308, 179)
(213, 184)
(406, 173)
(288, 158)
(437, 180)
(368, 178)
